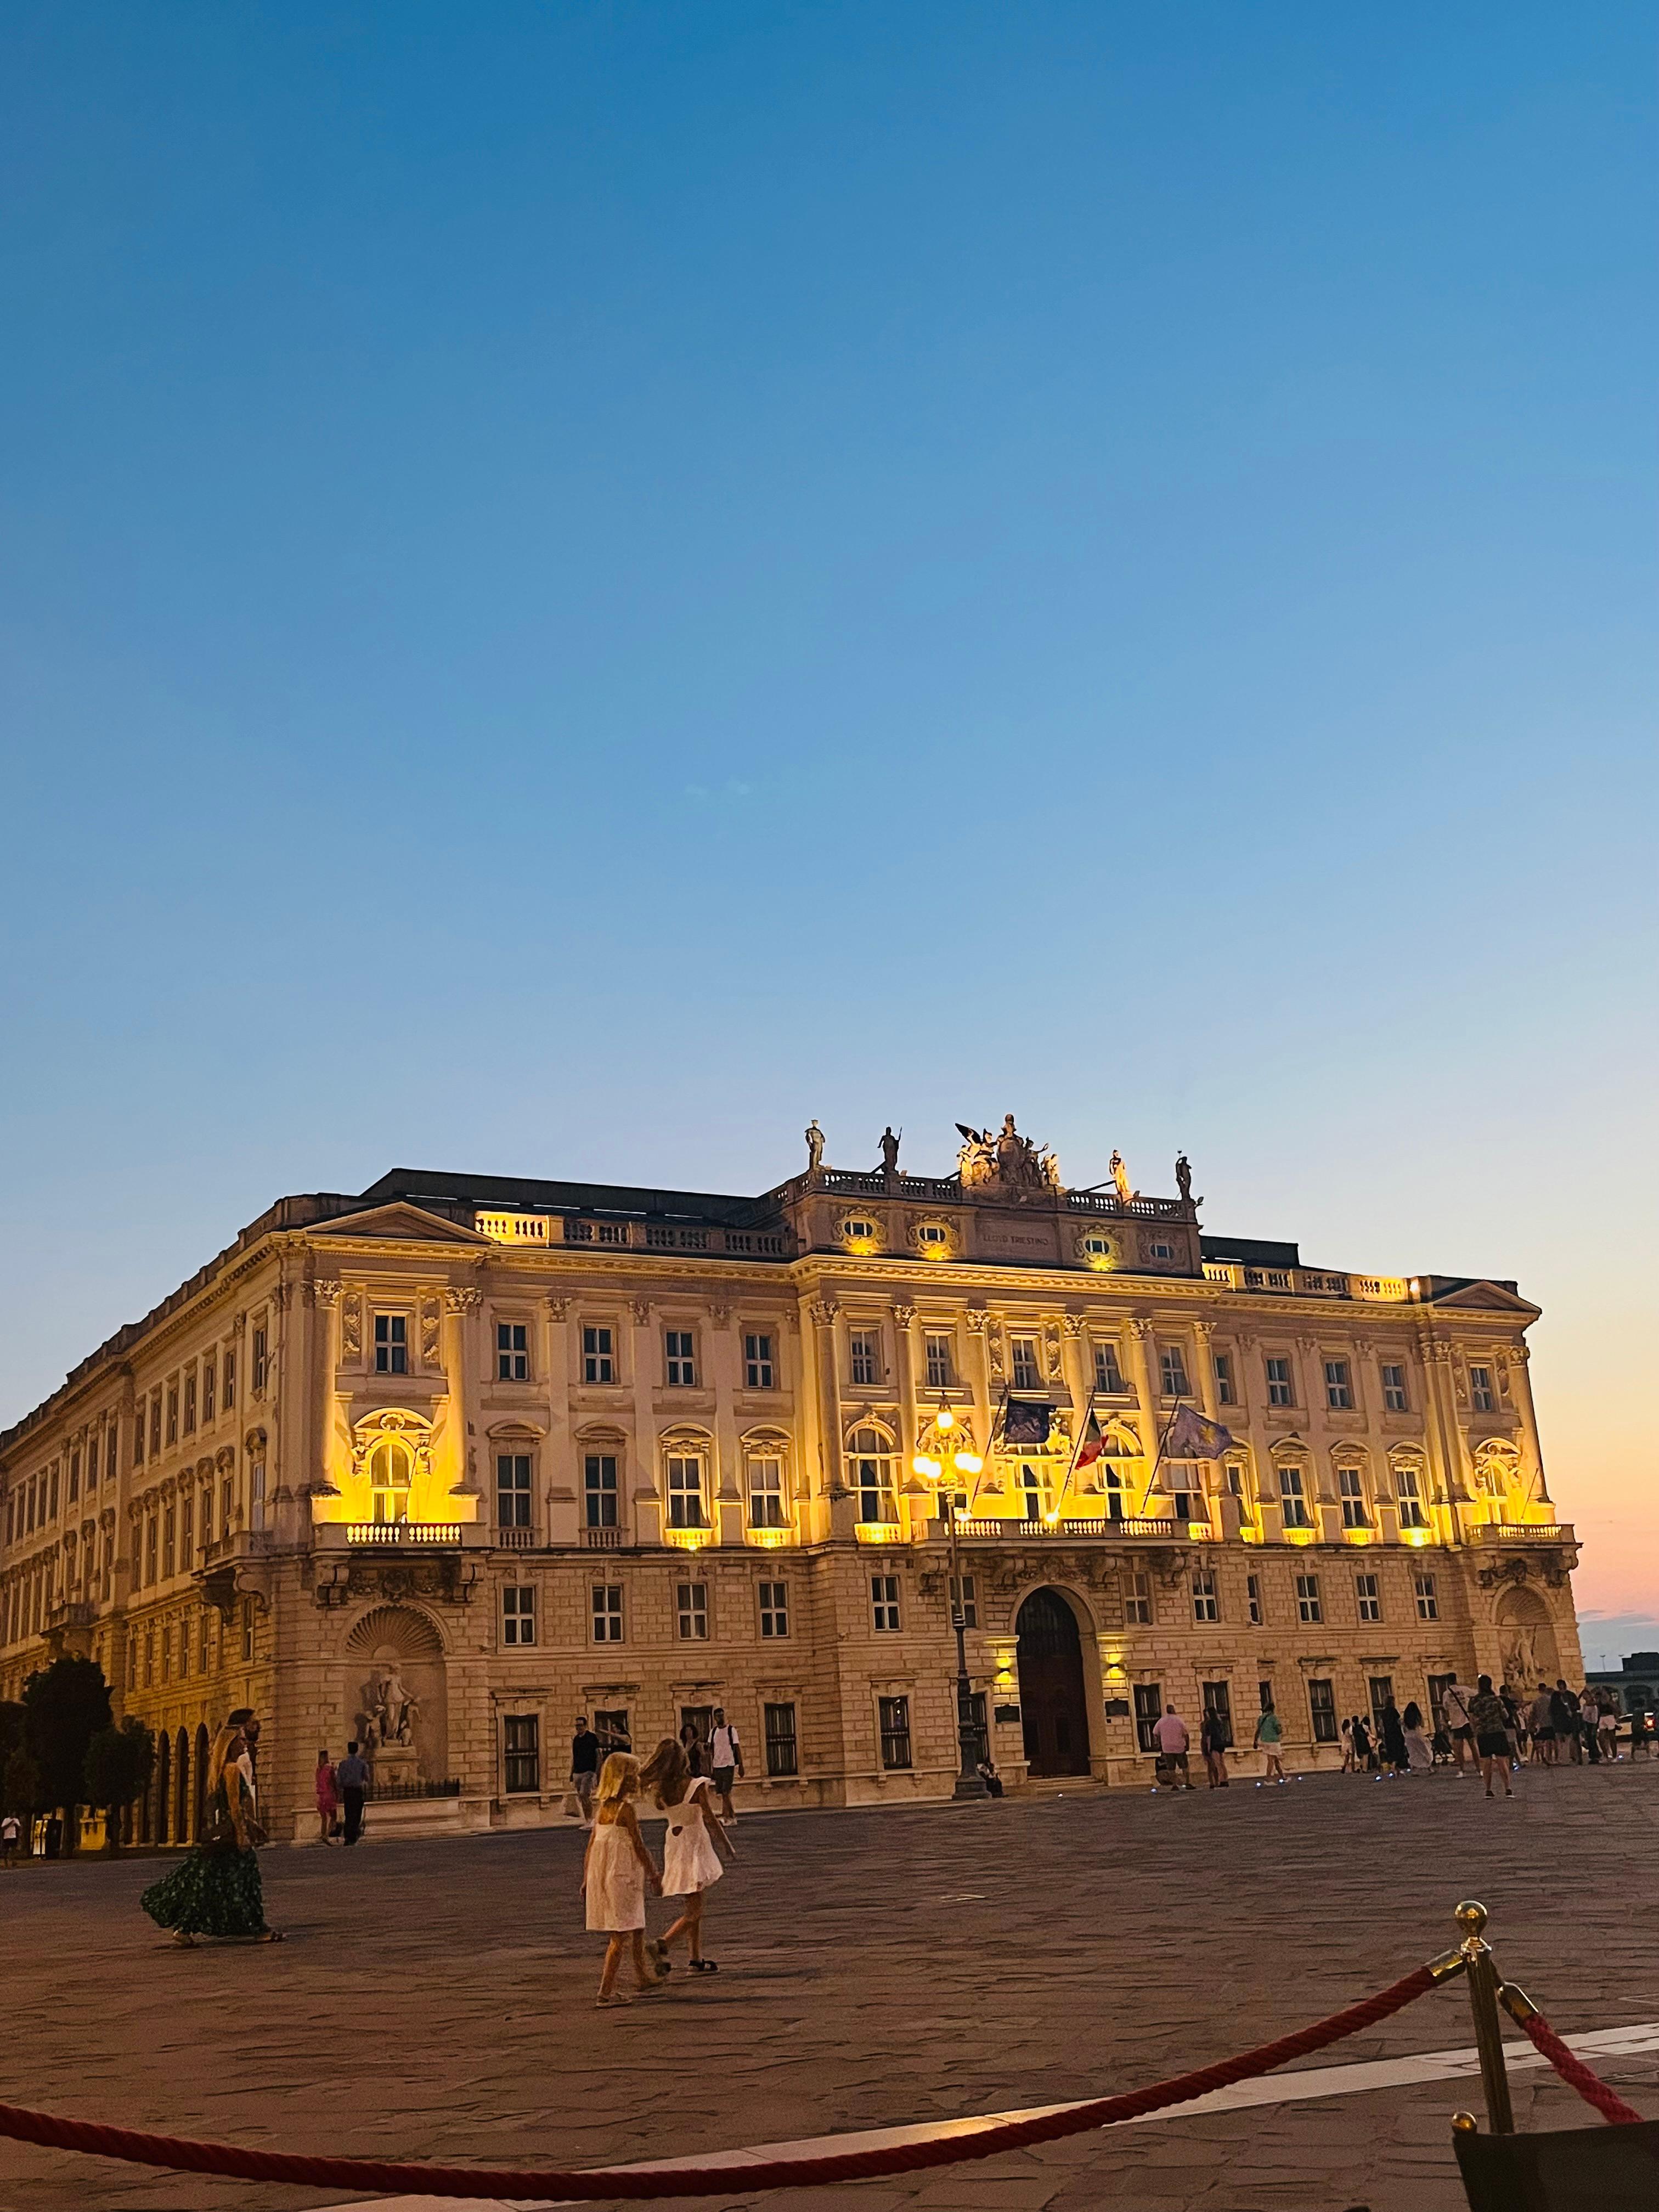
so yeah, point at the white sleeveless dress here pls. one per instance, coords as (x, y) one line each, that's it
(614, 1879)
(690, 1861)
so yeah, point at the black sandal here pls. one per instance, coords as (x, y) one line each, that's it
(704, 1966)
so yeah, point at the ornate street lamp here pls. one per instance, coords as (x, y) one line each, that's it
(945, 1454)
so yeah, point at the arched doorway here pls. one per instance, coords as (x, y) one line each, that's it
(181, 1790)
(163, 1782)
(1053, 1704)
(202, 1748)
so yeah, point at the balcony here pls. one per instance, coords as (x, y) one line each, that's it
(1523, 1532)
(1103, 1531)
(407, 1536)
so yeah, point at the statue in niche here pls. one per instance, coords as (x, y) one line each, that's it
(392, 1708)
(1184, 1176)
(1119, 1172)
(814, 1147)
(1519, 1647)
(889, 1151)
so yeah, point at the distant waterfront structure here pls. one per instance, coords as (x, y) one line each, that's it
(441, 1464)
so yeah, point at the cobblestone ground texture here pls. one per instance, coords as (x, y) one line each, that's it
(434, 2000)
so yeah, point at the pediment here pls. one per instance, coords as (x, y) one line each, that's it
(403, 1223)
(1486, 1297)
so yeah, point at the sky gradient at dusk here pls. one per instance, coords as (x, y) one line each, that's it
(581, 585)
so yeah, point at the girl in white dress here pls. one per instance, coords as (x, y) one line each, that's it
(617, 1870)
(691, 1849)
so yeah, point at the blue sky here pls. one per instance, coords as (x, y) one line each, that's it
(583, 583)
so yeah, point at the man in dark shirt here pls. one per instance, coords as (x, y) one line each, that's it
(584, 1767)
(352, 1775)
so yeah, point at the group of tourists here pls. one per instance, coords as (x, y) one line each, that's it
(1495, 1730)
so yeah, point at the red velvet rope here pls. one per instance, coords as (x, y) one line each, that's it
(600, 2184)
(1590, 2087)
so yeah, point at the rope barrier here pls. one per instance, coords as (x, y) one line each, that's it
(599, 2184)
(1590, 2087)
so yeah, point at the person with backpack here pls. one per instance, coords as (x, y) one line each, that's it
(1455, 1703)
(725, 1760)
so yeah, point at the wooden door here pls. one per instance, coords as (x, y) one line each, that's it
(1053, 1708)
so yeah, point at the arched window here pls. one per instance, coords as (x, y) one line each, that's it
(1408, 1490)
(768, 1506)
(685, 1492)
(1351, 1492)
(873, 1478)
(389, 1473)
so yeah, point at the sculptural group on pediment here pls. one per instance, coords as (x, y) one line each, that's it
(1002, 1159)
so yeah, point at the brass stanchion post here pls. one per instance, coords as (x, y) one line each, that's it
(1483, 2002)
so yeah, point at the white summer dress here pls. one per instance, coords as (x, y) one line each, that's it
(614, 1879)
(690, 1861)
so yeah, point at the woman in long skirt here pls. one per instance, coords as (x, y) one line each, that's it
(215, 1889)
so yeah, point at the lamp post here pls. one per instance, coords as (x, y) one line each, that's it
(955, 1452)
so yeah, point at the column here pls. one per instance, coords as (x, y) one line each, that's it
(1327, 1514)
(1223, 1515)
(1440, 1435)
(561, 1475)
(324, 1361)
(1151, 1427)
(647, 1498)
(722, 1368)
(1537, 1491)
(844, 1511)
(984, 1405)
(462, 1302)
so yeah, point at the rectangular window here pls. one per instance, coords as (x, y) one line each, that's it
(1219, 1706)
(152, 1535)
(757, 1368)
(1351, 1489)
(512, 1352)
(517, 1615)
(210, 1389)
(1322, 1710)
(864, 1351)
(1281, 1390)
(1253, 1594)
(256, 1480)
(190, 1404)
(612, 1730)
(1149, 1710)
(1109, 1376)
(1411, 1514)
(521, 1747)
(782, 1753)
(1173, 1368)
(1395, 1400)
(691, 1611)
(155, 1423)
(247, 1628)
(227, 1496)
(1480, 1390)
(1338, 1387)
(600, 1490)
(1138, 1604)
(391, 1345)
(895, 1734)
(685, 1494)
(1224, 1391)
(1207, 1605)
(607, 1612)
(1381, 1687)
(1368, 1594)
(598, 1356)
(187, 1530)
(884, 1602)
(1439, 1684)
(766, 1500)
(773, 1609)
(964, 1598)
(169, 1542)
(74, 1477)
(173, 1413)
(681, 1364)
(512, 1490)
(1307, 1607)
(1185, 1499)
(1292, 1499)
(261, 1361)
(1022, 1354)
(230, 1381)
(872, 1479)
(1428, 1604)
(941, 1364)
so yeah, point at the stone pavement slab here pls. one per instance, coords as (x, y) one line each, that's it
(434, 2000)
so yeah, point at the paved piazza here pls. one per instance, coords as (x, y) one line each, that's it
(436, 1999)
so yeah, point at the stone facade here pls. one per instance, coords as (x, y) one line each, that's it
(531, 1448)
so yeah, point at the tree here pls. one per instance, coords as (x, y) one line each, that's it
(12, 1718)
(120, 1762)
(20, 1785)
(65, 1706)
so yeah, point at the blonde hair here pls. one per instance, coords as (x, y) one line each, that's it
(619, 1777)
(667, 1771)
(222, 1754)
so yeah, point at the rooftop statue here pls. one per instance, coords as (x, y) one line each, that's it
(1118, 1170)
(890, 1149)
(814, 1147)
(1183, 1175)
(1005, 1159)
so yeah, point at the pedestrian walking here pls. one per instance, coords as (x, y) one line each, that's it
(725, 1760)
(1169, 1733)
(691, 1847)
(1362, 1743)
(328, 1798)
(1641, 1733)
(691, 1745)
(1516, 1717)
(352, 1776)
(1394, 1738)
(1540, 1722)
(11, 1829)
(215, 1889)
(1455, 1703)
(584, 1769)
(1269, 1734)
(1419, 1757)
(1347, 1747)
(1492, 1736)
(617, 1870)
(1213, 1742)
(1563, 1714)
(1606, 1721)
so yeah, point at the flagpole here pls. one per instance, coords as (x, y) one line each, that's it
(1077, 1446)
(1158, 1461)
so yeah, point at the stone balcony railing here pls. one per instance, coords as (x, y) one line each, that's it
(1522, 1531)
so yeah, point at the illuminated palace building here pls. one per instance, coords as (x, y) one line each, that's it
(444, 1464)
